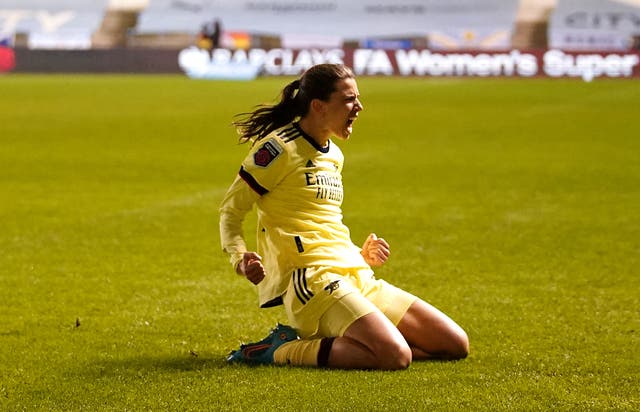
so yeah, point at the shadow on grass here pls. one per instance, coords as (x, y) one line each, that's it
(171, 364)
(145, 364)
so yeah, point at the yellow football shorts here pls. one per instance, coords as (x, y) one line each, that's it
(325, 301)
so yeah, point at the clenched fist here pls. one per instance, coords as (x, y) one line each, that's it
(375, 250)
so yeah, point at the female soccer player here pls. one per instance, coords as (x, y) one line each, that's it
(341, 315)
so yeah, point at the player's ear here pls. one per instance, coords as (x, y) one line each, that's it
(318, 106)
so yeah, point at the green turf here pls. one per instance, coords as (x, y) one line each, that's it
(512, 205)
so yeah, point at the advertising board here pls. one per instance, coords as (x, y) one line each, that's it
(412, 62)
(7, 56)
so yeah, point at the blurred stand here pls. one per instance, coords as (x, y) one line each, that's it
(532, 25)
(114, 29)
(148, 36)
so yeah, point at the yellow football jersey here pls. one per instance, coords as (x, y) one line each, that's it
(297, 187)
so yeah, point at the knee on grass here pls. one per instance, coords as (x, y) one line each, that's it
(458, 346)
(394, 356)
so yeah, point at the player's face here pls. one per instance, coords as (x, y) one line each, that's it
(342, 108)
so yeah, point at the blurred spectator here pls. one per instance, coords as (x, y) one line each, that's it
(209, 36)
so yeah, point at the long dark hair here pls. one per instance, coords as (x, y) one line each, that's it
(318, 82)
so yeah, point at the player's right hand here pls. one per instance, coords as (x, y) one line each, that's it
(251, 267)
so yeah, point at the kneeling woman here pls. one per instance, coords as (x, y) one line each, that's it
(341, 315)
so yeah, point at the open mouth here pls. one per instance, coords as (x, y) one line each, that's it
(349, 125)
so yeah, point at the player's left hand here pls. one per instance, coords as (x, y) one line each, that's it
(375, 250)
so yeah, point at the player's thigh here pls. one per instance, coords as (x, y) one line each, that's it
(392, 301)
(370, 295)
(356, 318)
(367, 296)
(319, 302)
(432, 331)
(343, 313)
(376, 332)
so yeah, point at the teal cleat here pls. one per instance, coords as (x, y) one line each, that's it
(262, 352)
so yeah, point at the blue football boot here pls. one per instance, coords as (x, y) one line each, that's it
(262, 352)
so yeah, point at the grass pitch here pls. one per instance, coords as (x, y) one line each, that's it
(512, 205)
